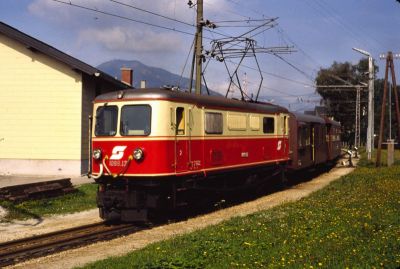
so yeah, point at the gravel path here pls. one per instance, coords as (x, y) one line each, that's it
(123, 245)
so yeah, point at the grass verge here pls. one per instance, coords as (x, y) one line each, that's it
(83, 199)
(372, 163)
(354, 222)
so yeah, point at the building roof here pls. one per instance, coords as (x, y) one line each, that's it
(208, 101)
(37, 45)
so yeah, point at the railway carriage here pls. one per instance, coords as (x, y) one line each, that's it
(313, 141)
(154, 148)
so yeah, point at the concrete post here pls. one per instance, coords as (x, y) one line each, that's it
(371, 78)
(370, 129)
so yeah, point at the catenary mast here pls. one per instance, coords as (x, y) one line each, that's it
(199, 46)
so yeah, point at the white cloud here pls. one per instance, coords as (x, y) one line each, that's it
(113, 34)
(62, 12)
(49, 10)
(129, 39)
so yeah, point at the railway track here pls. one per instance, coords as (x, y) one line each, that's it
(19, 250)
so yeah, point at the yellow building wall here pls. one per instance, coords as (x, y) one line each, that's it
(41, 105)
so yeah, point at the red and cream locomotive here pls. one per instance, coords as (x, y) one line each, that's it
(153, 148)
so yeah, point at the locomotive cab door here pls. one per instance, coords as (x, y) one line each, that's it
(182, 141)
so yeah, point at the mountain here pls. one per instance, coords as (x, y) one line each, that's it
(154, 77)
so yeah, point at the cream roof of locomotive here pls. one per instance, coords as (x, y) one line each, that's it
(185, 97)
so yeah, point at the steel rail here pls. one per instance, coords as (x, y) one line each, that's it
(19, 250)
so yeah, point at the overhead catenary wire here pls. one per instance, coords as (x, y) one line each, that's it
(356, 29)
(186, 23)
(107, 13)
(227, 11)
(96, 10)
(122, 17)
(285, 94)
(295, 67)
(244, 20)
(186, 61)
(152, 13)
(276, 76)
(281, 31)
(278, 29)
(335, 18)
(291, 41)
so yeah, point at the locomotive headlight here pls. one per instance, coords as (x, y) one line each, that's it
(138, 154)
(97, 154)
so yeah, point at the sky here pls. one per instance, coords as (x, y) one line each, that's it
(160, 34)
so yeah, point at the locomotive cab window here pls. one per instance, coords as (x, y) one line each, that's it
(106, 121)
(180, 121)
(135, 120)
(268, 125)
(214, 123)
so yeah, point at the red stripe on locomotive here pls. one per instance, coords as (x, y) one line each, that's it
(162, 157)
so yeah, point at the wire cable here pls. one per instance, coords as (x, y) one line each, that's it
(123, 17)
(186, 61)
(152, 13)
(294, 67)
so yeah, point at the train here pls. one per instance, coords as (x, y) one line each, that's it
(155, 150)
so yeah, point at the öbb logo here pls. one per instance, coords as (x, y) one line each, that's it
(118, 152)
(279, 146)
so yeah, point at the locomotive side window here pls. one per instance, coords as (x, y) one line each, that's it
(180, 121)
(135, 120)
(254, 123)
(237, 122)
(214, 123)
(106, 121)
(268, 125)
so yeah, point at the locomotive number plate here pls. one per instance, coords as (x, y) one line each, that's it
(117, 163)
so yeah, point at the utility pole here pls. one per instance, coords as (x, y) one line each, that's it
(199, 46)
(389, 65)
(371, 79)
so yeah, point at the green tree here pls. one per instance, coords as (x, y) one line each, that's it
(340, 97)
